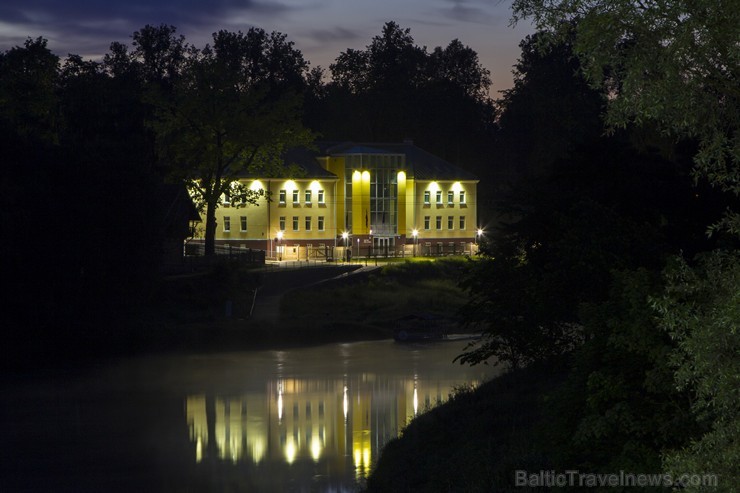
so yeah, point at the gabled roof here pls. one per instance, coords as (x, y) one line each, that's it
(420, 164)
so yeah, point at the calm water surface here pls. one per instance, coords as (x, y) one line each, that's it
(311, 419)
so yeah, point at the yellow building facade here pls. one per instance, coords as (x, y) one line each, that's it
(357, 199)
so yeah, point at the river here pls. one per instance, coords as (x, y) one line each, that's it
(309, 419)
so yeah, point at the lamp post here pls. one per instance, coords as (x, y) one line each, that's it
(415, 234)
(345, 235)
(478, 234)
(279, 241)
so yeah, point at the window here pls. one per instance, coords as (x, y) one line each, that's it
(426, 222)
(295, 223)
(438, 222)
(308, 196)
(439, 197)
(226, 198)
(227, 224)
(462, 222)
(308, 223)
(450, 197)
(321, 223)
(282, 223)
(295, 197)
(321, 196)
(243, 223)
(426, 197)
(282, 197)
(462, 197)
(450, 222)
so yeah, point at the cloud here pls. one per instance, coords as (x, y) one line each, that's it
(332, 35)
(461, 10)
(91, 25)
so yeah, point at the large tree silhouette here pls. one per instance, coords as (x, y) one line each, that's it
(233, 107)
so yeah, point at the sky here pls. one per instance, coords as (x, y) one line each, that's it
(320, 29)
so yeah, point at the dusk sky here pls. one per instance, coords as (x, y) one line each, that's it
(321, 29)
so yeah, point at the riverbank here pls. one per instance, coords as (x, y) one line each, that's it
(475, 441)
(214, 311)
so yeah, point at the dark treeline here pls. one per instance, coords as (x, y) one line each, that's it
(602, 292)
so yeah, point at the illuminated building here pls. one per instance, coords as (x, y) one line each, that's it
(378, 195)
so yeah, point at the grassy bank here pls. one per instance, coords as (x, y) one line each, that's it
(210, 312)
(451, 448)
(373, 303)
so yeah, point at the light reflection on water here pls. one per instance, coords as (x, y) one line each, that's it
(310, 419)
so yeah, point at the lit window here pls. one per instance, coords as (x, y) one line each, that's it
(438, 222)
(308, 196)
(427, 221)
(282, 223)
(426, 197)
(308, 223)
(295, 223)
(462, 222)
(282, 196)
(439, 197)
(295, 197)
(227, 224)
(462, 197)
(450, 222)
(321, 196)
(243, 222)
(450, 197)
(321, 223)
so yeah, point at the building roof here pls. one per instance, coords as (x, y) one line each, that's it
(302, 158)
(420, 164)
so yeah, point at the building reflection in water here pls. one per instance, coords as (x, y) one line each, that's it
(342, 423)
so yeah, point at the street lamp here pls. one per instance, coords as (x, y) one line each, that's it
(280, 248)
(415, 234)
(478, 234)
(345, 235)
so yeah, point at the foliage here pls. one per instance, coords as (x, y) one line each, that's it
(618, 408)
(233, 109)
(549, 112)
(700, 310)
(68, 172)
(607, 207)
(28, 98)
(399, 90)
(672, 63)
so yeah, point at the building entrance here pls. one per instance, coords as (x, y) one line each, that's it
(383, 246)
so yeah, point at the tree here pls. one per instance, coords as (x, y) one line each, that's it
(233, 108)
(28, 99)
(700, 310)
(606, 207)
(676, 64)
(399, 90)
(549, 112)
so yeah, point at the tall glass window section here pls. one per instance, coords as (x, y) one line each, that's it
(383, 170)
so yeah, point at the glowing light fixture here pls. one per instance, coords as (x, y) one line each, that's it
(345, 403)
